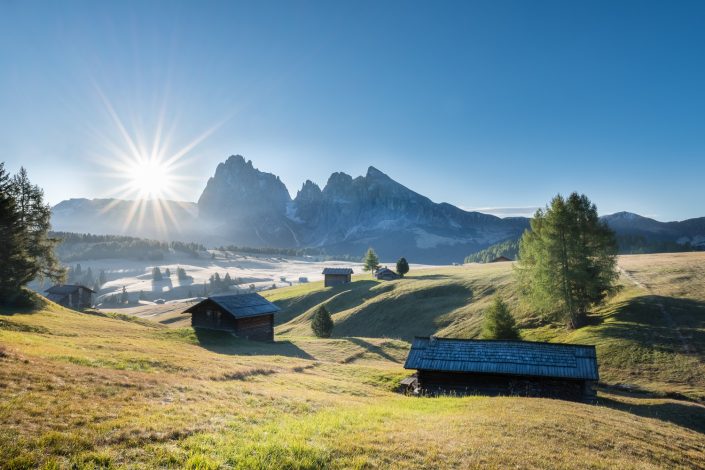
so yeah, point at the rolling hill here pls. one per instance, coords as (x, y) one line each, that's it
(651, 335)
(100, 390)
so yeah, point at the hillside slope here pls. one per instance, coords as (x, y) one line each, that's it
(90, 391)
(638, 345)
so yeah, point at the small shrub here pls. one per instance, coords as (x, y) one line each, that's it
(402, 267)
(322, 323)
(499, 322)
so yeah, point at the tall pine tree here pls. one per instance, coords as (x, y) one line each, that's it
(567, 259)
(371, 261)
(16, 267)
(35, 220)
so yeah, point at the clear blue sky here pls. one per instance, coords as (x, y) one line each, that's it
(480, 104)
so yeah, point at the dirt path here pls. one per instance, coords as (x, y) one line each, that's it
(667, 317)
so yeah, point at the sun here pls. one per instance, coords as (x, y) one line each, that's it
(150, 178)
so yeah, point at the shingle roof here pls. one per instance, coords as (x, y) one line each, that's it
(337, 271)
(573, 361)
(385, 270)
(240, 305)
(64, 289)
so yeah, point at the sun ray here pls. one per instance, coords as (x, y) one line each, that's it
(148, 171)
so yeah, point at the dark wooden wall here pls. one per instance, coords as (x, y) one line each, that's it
(260, 328)
(256, 328)
(336, 279)
(210, 316)
(438, 382)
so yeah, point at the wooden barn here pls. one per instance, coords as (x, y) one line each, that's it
(386, 274)
(499, 367)
(248, 316)
(336, 276)
(71, 295)
(501, 259)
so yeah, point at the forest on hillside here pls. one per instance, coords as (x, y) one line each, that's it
(628, 245)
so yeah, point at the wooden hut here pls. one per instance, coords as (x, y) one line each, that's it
(71, 295)
(336, 276)
(386, 274)
(249, 316)
(500, 259)
(499, 367)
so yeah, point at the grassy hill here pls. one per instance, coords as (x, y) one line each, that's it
(651, 335)
(88, 390)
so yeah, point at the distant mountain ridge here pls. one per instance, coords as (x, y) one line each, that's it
(346, 216)
(245, 206)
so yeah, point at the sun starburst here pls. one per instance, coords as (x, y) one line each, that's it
(147, 173)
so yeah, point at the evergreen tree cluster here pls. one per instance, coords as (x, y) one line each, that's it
(182, 276)
(567, 260)
(218, 284)
(300, 252)
(77, 275)
(26, 248)
(507, 248)
(82, 246)
(157, 274)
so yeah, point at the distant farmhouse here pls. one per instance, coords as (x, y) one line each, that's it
(71, 295)
(248, 316)
(336, 276)
(499, 367)
(501, 259)
(386, 274)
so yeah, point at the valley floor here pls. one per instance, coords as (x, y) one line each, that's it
(101, 390)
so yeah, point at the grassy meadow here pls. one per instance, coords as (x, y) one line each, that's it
(88, 390)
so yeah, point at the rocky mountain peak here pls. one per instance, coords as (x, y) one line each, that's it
(374, 173)
(310, 191)
(238, 190)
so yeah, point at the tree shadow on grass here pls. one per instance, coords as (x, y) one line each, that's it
(373, 349)
(409, 314)
(25, 302)
(684, 414)
(348, 295)
(642, 321)
(223, 342)
(428, 277)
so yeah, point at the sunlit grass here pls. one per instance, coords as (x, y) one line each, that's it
(93, 391)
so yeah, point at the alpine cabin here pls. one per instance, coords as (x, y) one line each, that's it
(74, 296)
(336, 276)
(499, 367)
(386, 274)
(248, 316)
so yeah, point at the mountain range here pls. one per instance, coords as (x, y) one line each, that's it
(244, 206)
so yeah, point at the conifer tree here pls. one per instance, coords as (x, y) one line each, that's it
(157, 274)
(498, 322)
(101, 278)
(371, 261)
(402, 267)
(322, 323)
(567, 259)
(35, 219)
(15, 265)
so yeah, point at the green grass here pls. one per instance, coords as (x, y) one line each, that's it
(637, 348)
(88, 391)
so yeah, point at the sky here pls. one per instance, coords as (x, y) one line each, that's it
(491, 105)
